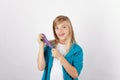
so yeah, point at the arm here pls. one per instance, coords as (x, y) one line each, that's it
(71, 70)
(68, 67)
(41, 59)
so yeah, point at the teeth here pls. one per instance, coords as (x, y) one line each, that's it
(61, 34)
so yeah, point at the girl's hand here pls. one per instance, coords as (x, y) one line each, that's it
(41, 43)
(56, 54)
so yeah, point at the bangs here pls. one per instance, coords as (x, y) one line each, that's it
(59, 20)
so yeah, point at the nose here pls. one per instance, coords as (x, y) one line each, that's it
(60, 30)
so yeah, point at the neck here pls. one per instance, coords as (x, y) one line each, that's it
(67, 43)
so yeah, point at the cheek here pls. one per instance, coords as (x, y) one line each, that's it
(67, 31)
(56, 31)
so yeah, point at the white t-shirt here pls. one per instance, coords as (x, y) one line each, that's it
(56, 71)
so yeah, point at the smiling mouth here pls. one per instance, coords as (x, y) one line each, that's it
(61, 35)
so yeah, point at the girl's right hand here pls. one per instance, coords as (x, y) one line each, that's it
(41, 43)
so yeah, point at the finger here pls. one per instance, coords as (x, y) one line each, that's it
(41, 39)
(40, 35)
(53, 53)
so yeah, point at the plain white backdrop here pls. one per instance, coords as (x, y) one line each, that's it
(96, 25)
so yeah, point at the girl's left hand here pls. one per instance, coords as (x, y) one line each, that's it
(56, 54)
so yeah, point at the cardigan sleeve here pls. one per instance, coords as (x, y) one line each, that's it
(78, 60)
(46, 54)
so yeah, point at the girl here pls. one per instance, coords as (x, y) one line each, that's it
(65, 60)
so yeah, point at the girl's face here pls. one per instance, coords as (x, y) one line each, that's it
(63, 31)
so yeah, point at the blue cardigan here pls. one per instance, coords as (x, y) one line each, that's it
(74, 57)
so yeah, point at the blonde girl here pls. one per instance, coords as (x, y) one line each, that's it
(65, 60)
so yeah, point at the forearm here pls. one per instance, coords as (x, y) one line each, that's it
(41, 59)
(68, 67)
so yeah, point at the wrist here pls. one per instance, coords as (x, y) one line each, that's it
(41, 47)
(60, 58)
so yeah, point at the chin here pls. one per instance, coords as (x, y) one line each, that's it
(62, 39)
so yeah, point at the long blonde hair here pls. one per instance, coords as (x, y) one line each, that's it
(59, 20)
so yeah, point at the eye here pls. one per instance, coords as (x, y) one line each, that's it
(64, 27)
(56, 28)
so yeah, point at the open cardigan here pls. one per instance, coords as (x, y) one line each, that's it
(74, 57)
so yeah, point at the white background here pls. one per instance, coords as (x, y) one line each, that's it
(96, 25)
